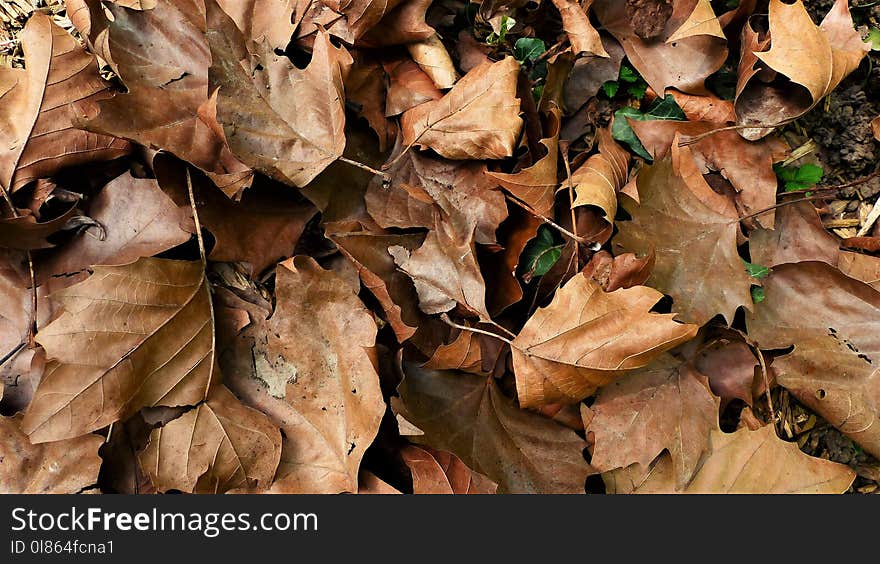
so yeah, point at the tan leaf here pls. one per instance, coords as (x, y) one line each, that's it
(130, 336)
(623, 271)
(216, 447)
(702, 21)
(259, 20)
(587, 338)
(798, 235)
(138, 220)
(463, 353)
(41, 104)
(815, 57)
(285, 122)
(597, 181)
(666, 406)
(477, 119)
(693, 232)
(366, 90)
(875, 127)
(308, 369)
(432, 57)
(441, 472)
(833, 321)
(408, 86)
(25, 233)
(861, 267)
(744, 462)
(581, 34)
(467, 415)
(360, 16)
(369, 483)
(61, 467)
(730, 367)
(404, 24)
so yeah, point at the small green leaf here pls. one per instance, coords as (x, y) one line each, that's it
(874, 38)
(628, 75)
(756, 270)
(758, 294)
(507, 24)
(528, 49)
(798, 177)
(665, 109)
(637, 91)
(610, 88)
(540, 254)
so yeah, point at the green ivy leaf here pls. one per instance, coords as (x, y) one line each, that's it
(628, 75)
(874, 38)
(756, 270)
(540, 254)
(799, 177)
(758, 294)
(528, 49)
(507, 24)
(610, 88)
(637, 91)
(665, 109)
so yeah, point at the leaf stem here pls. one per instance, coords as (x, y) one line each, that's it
(445, 318)
(192, 203)
(691, 139)
(385, 176)
(563, 151)
(549, 221)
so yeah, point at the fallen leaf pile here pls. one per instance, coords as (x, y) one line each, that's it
(380, 247)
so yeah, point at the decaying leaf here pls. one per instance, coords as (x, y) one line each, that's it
(469, 416)
(587, 338)
(440, 472)
(581, 34)
(598, 180)
(477, 119)
(130, 336)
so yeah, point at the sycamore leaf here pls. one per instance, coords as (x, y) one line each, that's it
(216, 447)
(464, 353)
(60, 467)
(798, 235)
(693, 232)
(468, 415)
(285, 122)
(25, 233)
(259, 20)
(587, 338)
(744, 462)
(477, 119)
(432, 57)
(702, 21)
(41, 104)
(581, 34)
(666, 406)
(833, 322)
(598, 180)
(308, 368)
(441, 472)
(130, 336)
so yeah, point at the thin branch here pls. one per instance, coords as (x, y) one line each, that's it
(502, 328)
(691, 139)
(564, 154)
(385, 176)
(12, 353)
(446, 320)
(548, 221)
(192, 202)
(779, 205)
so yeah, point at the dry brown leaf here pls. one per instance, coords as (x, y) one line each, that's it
(833, 321)
(138, 220)
(730, 367)
(263, 20)
(432, 57)
(665, 406)
(404, 24)
(218, 446)
(360, 16)
(61, 467)
(463, 353)
(861, 267)
(468, 415)
(285, 122)
(130, 336)
(814, 58)
(693, 232)
(597, 181)
(366, 91)
(477, 119)
(623, 271)
(683, 64)
(408, 86)
(587, 338)
(798, 235)
(42, 103)
(744, 462)
(168, 82)
(25, 233)
(581, 34)
(702, 21)
(441, 472)
(875, 127)
(308, 368)
(369, 483)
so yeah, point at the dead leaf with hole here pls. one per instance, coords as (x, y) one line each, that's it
(468, 416)
(218, 446)
(441, 472)
(587, 338)
(833, 321)
(42, 103)
(130, 336)
(61, 467)
(477, 119)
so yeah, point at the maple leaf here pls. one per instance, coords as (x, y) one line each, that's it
(587, 338)
(60, 467)
(42, 103)
(216, 447)
(598, 180)
(581, 34)
(440, 472)
(693, 232)
(477, 119)
(745, 462)
(469, 416)
(832, 321)
(308, 369)
(130, 336)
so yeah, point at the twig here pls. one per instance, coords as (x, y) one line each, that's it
(564, 154)
(203, 255)
(32, 321)
(779, 205)
(691, 139)
(451, 323)
(763, 365)
(192, 202)
(502, 328)
(385, 176)
(548, 221)
(12, 353)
